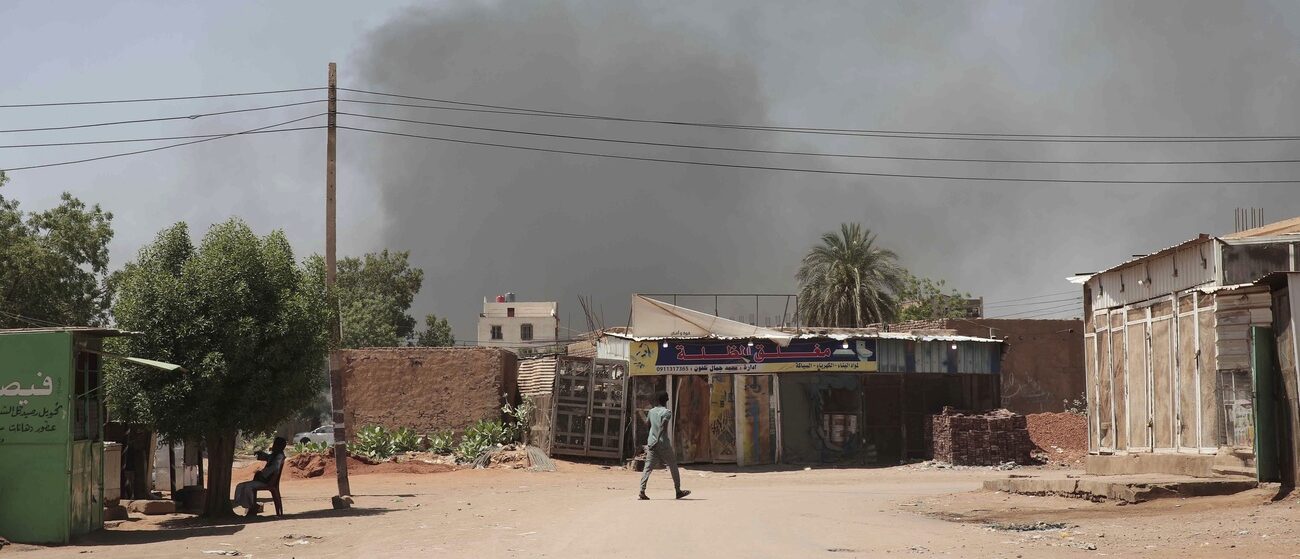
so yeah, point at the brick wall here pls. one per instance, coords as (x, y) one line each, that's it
(980, 440)
(1043, 363)
(424, 388)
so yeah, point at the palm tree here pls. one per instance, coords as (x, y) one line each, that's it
(847, 281)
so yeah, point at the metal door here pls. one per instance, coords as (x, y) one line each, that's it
(588, 413)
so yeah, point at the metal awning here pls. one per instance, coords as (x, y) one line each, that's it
(160, 365)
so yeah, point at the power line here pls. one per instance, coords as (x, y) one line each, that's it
(154, 139)
(813, 170)
(1031, 304)
(30, 320)
(912, 134)
(811, 153)
(1035, 296)
(152, 99)
(160, 119)
(1048, 310)
(169, 146)
(1040, 315)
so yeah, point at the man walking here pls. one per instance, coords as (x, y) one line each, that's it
(658, 449)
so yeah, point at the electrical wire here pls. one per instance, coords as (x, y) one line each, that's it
(817, 154)
(1035, 296)
(30, 320)
(152, 99)
(1031, 304)
(1048, 310)
(154, 139)
(169, 146)
(1041, 315)
(813, 170)
(912, 134)
(161, 119)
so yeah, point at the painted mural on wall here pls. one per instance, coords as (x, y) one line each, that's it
(687, 357)
(722, 418)
(755, 443)
(692, 419)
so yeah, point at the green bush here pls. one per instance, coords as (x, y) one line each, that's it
(250, 443)
(312, 447)
(404, 440)
(374, 442)
(442, 442)
(519, 418)
(481, 436)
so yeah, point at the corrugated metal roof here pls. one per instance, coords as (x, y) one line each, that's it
(1275, 229)
(1199, 239)
(834, 336)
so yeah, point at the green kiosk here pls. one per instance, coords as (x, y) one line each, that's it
(52, 432)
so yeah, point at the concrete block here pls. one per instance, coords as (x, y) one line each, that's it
(1195, 465)
(152, 507)
(115, 512)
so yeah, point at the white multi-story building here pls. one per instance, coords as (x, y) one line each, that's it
(518, 325)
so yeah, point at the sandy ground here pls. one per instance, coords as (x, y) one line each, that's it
(586, 511)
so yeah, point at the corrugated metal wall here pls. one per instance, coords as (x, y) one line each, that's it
(893, 356)
(1186, 267)
(1151, 376)
(537, 375)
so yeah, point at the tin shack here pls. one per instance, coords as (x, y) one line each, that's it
(51, 432)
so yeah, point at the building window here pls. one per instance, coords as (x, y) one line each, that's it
(526, 332)
(496, 333)
(510, 312)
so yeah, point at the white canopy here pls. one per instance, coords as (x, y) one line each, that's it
(656, 319)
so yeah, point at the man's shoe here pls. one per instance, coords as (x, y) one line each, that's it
(683, 493)
(642, 497)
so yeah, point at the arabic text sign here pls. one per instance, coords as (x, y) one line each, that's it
(694, 357)
(33, 389)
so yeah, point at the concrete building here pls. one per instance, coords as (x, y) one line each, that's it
(518, 325)
(1168, 352)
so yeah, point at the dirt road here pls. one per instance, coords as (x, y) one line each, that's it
(586, 511)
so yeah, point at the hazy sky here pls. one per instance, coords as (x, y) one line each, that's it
(483, 220)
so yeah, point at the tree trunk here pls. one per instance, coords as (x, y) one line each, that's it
(221, 458)
(138, 439)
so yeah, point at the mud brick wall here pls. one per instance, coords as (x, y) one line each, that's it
(980, 440)
(1043, 363)
(424, 388)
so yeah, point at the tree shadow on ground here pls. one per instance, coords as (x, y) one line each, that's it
(135, 537)
(175, 529)
(734, 469)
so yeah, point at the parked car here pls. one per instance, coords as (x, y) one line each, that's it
(322, 434)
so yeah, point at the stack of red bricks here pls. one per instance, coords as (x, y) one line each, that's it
(986, 439)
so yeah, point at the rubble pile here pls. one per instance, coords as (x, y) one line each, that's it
(1062, 438)
(988, 439)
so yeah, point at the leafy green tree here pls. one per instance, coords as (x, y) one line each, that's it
(926, 299)
(374, 295)
(849, 281)
(53, 264)
(242, 316)
(436, 333)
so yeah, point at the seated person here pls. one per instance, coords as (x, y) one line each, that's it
(246, 492)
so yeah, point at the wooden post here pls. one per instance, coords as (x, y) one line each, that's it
(343, 499)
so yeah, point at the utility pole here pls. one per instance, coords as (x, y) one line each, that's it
(344, 499)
